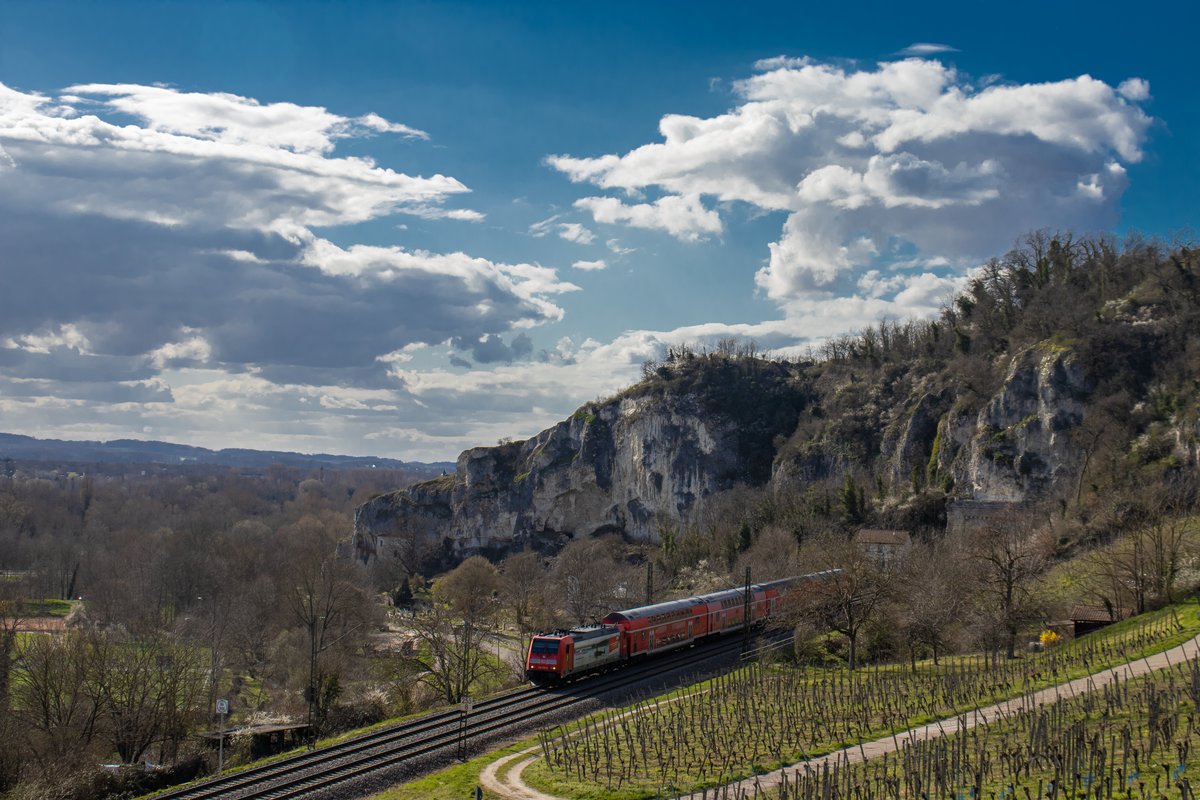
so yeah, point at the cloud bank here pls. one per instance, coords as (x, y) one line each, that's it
(200, 215)
(898, 167)
(157, 241)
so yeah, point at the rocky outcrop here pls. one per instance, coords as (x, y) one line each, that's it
(911, 439)
(648, 458)
(912, 430)
(629, 466)
(1019, 446)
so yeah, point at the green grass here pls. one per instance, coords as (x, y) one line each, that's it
(453, 783)
(55, 608)
(253, 694)
(1070, 581)
(44, 607)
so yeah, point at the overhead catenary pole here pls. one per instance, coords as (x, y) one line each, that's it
(464, 710)
(746, 615)
(311, 692)
(649, 582)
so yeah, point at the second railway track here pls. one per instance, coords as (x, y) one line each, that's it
(318, 771)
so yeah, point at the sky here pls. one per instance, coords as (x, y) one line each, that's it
(406, 229)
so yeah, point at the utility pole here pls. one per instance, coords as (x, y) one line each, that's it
(746, 615)
(649, 582)
(312, 679)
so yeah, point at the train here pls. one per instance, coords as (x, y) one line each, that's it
(636, 633)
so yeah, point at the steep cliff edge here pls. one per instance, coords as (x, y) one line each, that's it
(650, 457)
(629, 465)
(1020, 444)
(908, 427)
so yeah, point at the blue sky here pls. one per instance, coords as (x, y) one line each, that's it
(404, 229)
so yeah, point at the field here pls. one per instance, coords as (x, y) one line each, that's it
(1128, 739)
(759, 718)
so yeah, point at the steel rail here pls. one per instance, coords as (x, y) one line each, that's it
(304, 773)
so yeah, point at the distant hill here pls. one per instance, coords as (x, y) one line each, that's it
(131, 451)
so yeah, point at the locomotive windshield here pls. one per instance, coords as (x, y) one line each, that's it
(545, 646)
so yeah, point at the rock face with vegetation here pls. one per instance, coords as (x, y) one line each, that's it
(646, 458)
(1020, 445)
(1066, 370)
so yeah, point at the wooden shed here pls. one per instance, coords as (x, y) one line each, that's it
(1088, 618)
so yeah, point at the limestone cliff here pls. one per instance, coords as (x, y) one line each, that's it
(1020, 445)
(649, 457)
(921, 429)
(629, 465)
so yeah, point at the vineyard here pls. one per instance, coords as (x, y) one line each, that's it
(1128, 739)
(759, 718)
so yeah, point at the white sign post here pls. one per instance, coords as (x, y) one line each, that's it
(464, 710)
(222, 709)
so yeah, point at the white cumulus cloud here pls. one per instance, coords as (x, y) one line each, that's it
(575, 232)
(873, 166)
(685, 218)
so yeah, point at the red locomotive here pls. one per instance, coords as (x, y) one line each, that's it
(639, 632)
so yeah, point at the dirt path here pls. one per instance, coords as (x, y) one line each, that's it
(511, 787)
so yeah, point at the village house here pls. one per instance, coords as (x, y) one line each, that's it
(885, 546)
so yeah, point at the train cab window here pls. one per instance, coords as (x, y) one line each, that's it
(546, 647)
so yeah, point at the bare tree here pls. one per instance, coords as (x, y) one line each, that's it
(854, 593)
(465, 604)
(1005, 557)
(251, 585)
(149, 691)
(56, 699)
(11, 607)
(1169, 534)
(413, 545)
(1140, 568)
(326, 601)
(11, 757)
(523, 590)
(592, 580)
(772, 555)
(932, 594)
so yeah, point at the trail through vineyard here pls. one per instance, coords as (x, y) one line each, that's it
(844, 773)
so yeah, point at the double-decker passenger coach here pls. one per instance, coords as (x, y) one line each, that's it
(639, 632)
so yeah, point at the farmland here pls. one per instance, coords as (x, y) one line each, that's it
(624, 754)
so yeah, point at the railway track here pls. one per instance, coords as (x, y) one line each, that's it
(318, 771)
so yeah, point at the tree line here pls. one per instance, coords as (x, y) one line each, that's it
(181, 588)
